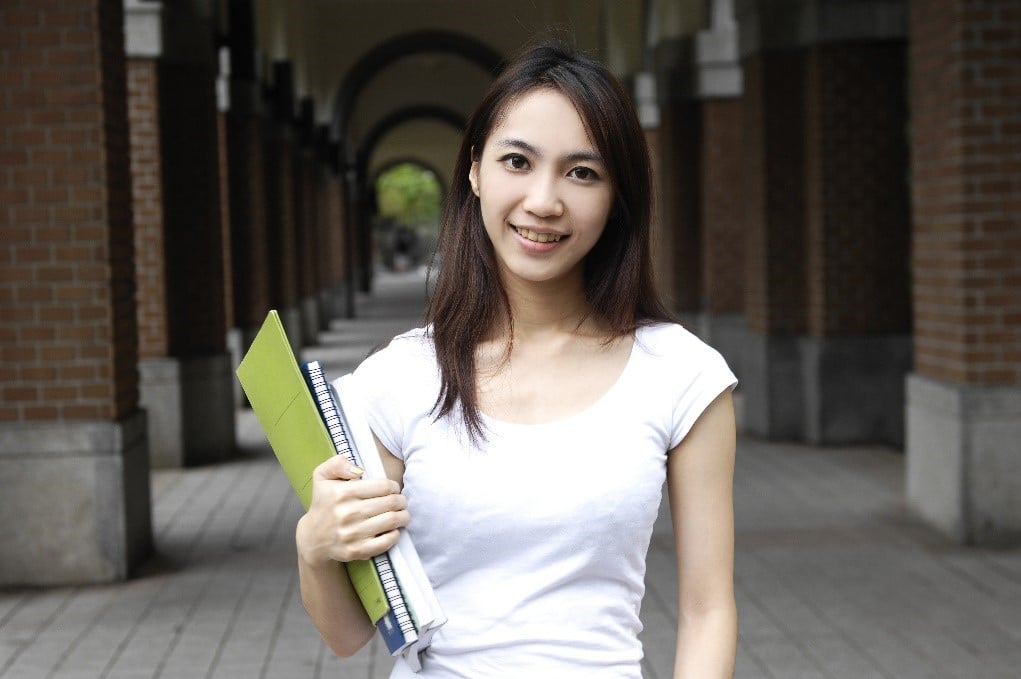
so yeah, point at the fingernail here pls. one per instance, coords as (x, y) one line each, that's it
(357, 470)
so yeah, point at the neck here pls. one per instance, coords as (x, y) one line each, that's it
(539, 309)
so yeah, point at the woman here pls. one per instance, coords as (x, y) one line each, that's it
(528, 428)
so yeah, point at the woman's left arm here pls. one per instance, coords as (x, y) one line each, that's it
(700, 474)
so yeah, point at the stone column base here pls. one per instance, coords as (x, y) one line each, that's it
(75, 505)
(854, 388)
(291, 319)
(332, 305)
(236, 348)
(727, 333)
(964, 460)
(190, 402)
(309, 321)
(771, 381)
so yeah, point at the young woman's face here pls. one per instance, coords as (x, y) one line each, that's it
(545, 193)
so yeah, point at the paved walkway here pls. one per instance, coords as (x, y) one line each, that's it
(834, 579)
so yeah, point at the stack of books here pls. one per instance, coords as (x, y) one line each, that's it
(306, 421)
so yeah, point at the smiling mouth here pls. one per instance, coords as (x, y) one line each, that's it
(537, 237)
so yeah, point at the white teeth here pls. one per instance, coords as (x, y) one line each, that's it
(538, 237)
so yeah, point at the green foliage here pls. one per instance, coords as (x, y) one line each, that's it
(410, 194)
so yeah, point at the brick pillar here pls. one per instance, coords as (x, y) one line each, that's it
(186, 380)
(774, 300)
(330, 233)
(679, 189)
(858, 344)
(249, 236)
(718, 84)
(74, 469)
(281, 222)
(308, 245)
(964, 397)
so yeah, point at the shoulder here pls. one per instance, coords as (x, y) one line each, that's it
(671, 350)
(672, 341)
(404, 351)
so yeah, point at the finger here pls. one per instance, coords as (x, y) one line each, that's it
(365, 509)
(338, 467)
(369, 547)
(364, 489)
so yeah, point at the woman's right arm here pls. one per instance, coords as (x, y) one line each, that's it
(345, 522)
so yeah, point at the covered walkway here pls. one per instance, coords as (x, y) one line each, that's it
(833, 579)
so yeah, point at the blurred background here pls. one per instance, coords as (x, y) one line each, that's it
(838, 211)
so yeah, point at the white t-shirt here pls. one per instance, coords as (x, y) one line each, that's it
(536, 543)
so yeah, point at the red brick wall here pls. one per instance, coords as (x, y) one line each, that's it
(722, 199)
(67, 315)
(773, 109)
(249, 235)
(147, 198)
(966, 189)
(856, 188)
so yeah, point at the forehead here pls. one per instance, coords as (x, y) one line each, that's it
(545, 118)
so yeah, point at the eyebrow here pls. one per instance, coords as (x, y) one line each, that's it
(577, 156)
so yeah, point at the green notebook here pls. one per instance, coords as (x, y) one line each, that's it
(284, 406)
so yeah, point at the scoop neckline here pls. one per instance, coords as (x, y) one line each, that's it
(497, 423)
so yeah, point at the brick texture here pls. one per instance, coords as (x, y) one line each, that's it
(67, 314)
(856, 189)
(722, 200)
(147, 196)
(965, 62)
(773, 111)
(179, 234)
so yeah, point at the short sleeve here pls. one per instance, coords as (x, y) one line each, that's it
(706, 376)
(389, 384)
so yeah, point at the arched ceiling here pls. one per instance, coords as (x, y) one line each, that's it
(364, 61)
(428, 142)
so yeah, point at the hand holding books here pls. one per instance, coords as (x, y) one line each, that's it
(351, 521)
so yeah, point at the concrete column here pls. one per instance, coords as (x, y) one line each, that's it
(964, 397)
(186, 384)
(74, 482)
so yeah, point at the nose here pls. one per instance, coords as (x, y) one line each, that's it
(543, 199)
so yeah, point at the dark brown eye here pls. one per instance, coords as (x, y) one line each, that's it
(515, 161)
(583, 173)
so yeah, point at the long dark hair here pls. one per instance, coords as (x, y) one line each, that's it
(468, 299)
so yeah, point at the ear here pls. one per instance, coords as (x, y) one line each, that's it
(473, 177)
